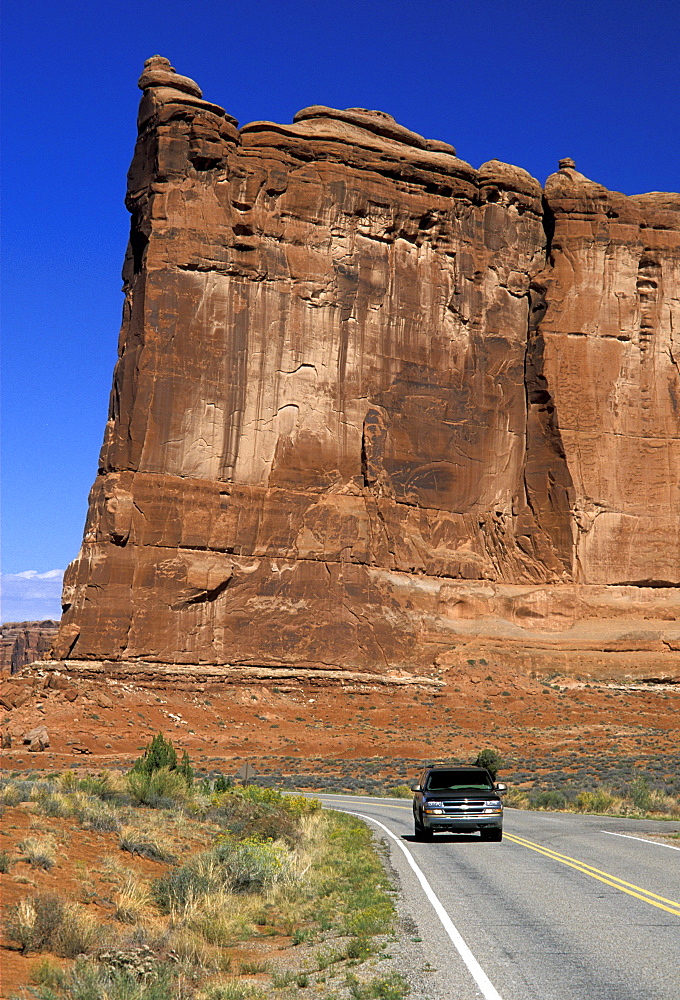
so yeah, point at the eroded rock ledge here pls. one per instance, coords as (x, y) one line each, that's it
(371, 401)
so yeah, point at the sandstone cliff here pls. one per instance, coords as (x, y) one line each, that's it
(375, 409)
(24, 642)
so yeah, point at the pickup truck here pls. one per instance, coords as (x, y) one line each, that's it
(458, 799)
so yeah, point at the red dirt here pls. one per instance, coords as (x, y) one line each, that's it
(308, 729)
(292, 727)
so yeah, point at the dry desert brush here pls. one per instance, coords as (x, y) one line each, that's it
(248, 864)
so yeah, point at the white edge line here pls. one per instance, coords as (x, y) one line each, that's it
(474, 968)
(643, 840)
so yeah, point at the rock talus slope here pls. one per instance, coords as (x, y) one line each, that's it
(376, 410)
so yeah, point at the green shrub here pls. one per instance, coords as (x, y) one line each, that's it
(282, 979)
(234, 991)
(371, 919)
(359, 878)
(186, 770)
(55, 804)
(88, 809)
(359, 949)
(251, 865)
(517, 798)
(48, 973)
(300, 935)
(491, 760)
(392, 987)
(69, 781)
(546, 799)
(400, 792)
(594, 802)
(6, 862)
(262, 812)
(89, 980)
(641, 793)
(159, 754)
(222, 783)
(98, 817)
(100, 786)
(244, 813)
(299, 805)
(255, 793)
(190, 881)
(159, 788)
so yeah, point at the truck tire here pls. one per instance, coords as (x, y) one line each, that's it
(421, 832)
(492, 834)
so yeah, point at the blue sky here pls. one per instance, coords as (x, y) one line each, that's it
(525, 82)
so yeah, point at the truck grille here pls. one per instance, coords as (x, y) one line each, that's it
(457, 808)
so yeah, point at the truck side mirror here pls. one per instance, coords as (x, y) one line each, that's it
(415, 788)
(501, 787)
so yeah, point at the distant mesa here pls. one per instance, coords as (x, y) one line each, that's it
(22, 643)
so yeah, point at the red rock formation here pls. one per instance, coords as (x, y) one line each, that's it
(23, 642)
(374, 408)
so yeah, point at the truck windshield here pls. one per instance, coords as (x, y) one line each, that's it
(454, 780)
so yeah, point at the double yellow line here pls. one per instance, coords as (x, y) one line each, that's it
(669, 905)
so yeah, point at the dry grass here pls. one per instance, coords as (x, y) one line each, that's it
(132, 901)
(40, 852)
(90, 811)
(222, 918)
(45, 923)
(161, 788)
(10, 794)
(234, 989)
(192, 948)
(229, 886)
(80, 933)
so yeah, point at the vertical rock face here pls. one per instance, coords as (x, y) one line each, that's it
(23, 642)
(367, 394)
(610, 342)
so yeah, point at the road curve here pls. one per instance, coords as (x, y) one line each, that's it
(568, 907)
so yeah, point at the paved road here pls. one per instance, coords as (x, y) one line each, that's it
(564, 909)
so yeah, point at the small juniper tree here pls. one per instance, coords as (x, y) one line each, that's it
(186, 770)
(159, 753)
(491, 760)
(641, 793)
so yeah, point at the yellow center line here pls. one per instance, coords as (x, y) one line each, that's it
(566, 857)
(383, 805)
(612, 880)
(628, 887)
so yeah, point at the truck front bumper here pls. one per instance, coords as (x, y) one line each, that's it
(462, 823)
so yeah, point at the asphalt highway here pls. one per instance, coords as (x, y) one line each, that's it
(567, 907)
